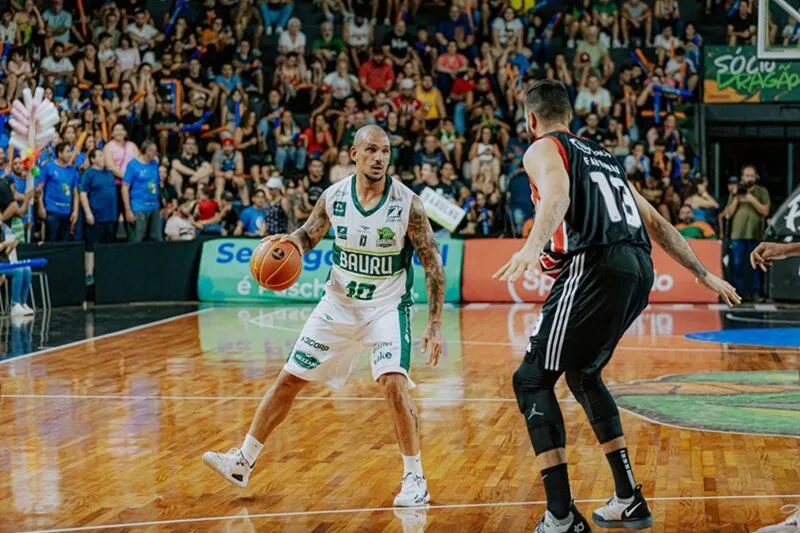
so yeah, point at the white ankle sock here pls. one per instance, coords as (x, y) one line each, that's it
(250, 449)
(412, 464)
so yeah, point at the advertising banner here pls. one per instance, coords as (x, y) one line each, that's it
(441, 210)
(673, 284)
(733, 74)
(225, 273)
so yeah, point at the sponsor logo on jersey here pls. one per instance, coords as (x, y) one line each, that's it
(385, 237)
(586, 149)
(366, 264)
(394, 213)
(364, 229)
(339, 209)
(341, 232)
(315, 344)
(382, 356)
(306, 361)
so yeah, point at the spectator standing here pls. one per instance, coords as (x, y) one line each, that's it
(520, 205)
(98, 196)
(60, 183)
(747, 211)
(140, 196)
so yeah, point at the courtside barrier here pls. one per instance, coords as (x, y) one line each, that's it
(224, 274)
(673, 284)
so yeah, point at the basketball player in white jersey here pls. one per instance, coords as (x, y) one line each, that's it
(378, 223)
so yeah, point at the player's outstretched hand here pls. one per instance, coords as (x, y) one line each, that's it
(723, 288)
(283, 237)
(767, 252)
(432, 343)
(520, 262)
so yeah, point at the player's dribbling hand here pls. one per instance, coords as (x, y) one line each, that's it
(283, 237)
(521, 262)
(765, 253)
(721, 287)
(432, 343)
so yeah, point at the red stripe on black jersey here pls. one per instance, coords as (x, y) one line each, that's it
(560, 239)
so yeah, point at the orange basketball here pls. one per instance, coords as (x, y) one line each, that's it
(276, 266)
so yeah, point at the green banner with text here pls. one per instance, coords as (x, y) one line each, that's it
(225, 273)
(734, 74)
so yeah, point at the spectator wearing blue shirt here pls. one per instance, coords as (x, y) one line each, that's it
(98, 196)
(228, 82)
(60, 183)
(430, 153)
(520, 205)
(456, 28)
(140, 195)
(252, 221)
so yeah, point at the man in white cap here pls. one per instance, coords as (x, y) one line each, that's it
(409, 109)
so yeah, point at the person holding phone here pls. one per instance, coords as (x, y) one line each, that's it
(746, 213)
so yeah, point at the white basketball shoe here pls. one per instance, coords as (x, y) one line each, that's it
(413, 492)
(231, 465)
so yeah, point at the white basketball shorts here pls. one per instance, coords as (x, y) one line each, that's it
(335, 335)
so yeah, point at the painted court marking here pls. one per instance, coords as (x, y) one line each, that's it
(385, 509)
(108, 335)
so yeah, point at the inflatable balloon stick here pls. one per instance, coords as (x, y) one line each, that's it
(33, 125)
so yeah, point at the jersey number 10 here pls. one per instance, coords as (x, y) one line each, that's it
(628, 203)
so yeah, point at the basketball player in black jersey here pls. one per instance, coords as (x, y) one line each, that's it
(596, 227)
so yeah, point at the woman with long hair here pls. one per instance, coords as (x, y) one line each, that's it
(246, 139)
(484, 159)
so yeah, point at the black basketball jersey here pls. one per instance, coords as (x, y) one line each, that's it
(602, 209)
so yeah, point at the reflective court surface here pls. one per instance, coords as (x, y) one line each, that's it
(107, 434)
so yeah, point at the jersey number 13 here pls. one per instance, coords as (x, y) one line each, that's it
(628, 203)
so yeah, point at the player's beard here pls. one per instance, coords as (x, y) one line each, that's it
(374, 174)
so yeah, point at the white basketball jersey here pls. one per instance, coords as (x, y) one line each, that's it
(371, 254)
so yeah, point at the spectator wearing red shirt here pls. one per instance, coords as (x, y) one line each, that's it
(376, 74)
(409, 109)
(319, 140)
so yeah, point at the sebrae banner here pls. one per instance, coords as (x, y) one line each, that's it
(733, 74)
(225, 273)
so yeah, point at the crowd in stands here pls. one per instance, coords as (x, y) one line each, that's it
(230, 119)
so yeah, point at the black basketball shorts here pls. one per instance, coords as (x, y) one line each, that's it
(596, 297)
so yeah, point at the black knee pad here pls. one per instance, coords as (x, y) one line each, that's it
(537, 402)
(597, 402)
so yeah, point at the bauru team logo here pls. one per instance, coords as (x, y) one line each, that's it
(385, 237)
(758, 403)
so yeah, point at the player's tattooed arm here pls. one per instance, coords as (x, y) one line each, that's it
(315, 227)
(668, 238)
(424, 241)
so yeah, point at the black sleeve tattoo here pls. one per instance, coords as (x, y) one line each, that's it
(675, 245)
(424, 241)
(315, 227)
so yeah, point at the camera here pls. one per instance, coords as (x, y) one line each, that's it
(741, 189)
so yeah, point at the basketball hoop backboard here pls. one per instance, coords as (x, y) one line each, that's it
(778, 12)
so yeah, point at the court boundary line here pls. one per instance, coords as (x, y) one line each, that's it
(108, 335)
(426, 508)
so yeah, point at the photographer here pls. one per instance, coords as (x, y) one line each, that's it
(746, 212)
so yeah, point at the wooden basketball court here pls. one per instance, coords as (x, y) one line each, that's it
(108, 434)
